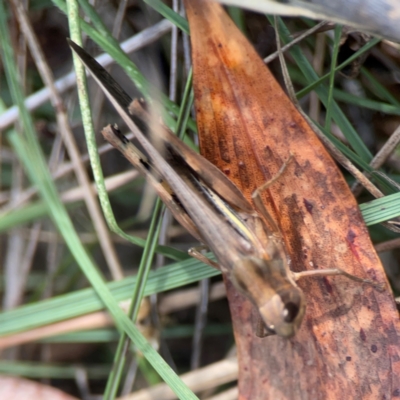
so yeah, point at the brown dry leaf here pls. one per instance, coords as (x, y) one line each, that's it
(13, 388)
(348, 345)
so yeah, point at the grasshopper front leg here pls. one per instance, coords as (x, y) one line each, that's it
(195, 252)
(260, 329)
(336, 272)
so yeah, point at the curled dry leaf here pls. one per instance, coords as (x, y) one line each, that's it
(348, 345)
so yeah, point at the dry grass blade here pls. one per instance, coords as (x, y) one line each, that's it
(213, 375)
(68, 138)
(130, 45)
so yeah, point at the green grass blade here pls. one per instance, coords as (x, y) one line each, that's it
(338, 33)
(377, 106)
(30, 154)
(321, 79)
(163, 369)
(37, 370)
(169, 14)
(380, 210)
(337, 114)
(148, 255)
(379, 89)
(85, 301)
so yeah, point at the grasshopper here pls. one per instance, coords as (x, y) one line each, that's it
(246, 242)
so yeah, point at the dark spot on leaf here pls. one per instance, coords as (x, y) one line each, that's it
(372, 273)
(268, 152)
(308, 205)
(374, 349)
(348, 358)
(351, 236)
(292, 124)
(339, 311)
(227, 171)
(396, 393)
(219, 45)
(224, 150)
(362, 335)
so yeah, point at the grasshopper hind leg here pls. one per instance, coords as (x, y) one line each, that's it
(256, 196)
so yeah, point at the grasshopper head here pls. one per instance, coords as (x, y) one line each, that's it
(279, 301)
(283, 312)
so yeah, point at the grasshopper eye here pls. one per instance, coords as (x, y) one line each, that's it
(284, 312)
(290, 312)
